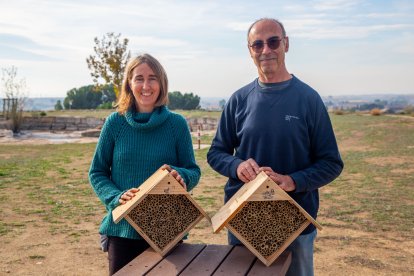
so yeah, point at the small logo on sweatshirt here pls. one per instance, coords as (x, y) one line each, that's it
(290, 117)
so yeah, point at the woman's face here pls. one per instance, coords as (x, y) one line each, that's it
(145, 86)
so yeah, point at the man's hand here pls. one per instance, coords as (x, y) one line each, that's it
(175, 174)
(284, 181)
(247, 170)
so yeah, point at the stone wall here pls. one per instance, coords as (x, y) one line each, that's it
(61, 123)
(205, 123)
(49, 123)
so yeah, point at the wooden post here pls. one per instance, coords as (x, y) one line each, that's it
(4, 108)
(199, 136)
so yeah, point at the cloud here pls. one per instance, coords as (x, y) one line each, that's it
(326, 28)
(16, 47)
(201, 43)
(381, 15)
(238, 26)
(16, 40)
(157, 41)
(11, 54)
(330, 5)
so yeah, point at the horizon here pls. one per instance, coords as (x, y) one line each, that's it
(208, 103)
(323, 96)
(336, 46)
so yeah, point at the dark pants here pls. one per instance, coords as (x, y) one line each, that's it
(122, 250)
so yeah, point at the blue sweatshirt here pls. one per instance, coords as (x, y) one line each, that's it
(130, 149)
(286, 128)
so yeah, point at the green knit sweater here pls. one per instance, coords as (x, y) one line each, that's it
(130, 149)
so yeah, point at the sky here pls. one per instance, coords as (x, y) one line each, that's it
(339, 47)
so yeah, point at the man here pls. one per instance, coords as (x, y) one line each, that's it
(279, 125)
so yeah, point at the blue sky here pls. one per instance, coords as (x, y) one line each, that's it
(339, 47)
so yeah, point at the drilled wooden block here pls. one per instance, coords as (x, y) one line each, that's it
(267, 225)
(163, 217)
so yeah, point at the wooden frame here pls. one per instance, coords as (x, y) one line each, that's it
(263, 191)
(161, 186)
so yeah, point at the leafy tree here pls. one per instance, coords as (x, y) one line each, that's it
(14, 90)
(58, 105)
(376, 104)
(107, 105)
(175, 100)
(87, 97)
(188, 101)
(109, 61)
(191, 101)
(222, 103)
(108, 94)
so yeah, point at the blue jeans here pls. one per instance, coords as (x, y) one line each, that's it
(302, 254)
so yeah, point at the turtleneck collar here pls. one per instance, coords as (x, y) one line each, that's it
(147, 121)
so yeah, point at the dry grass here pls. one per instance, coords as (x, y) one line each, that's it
(49, 215)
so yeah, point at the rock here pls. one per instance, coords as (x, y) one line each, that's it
(91, 133)
(6, 133)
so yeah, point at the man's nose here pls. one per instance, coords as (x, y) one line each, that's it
(266, 49)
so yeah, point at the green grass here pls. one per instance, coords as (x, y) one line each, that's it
(46, 180)
(205, 138)
(37, 257)
(375, 192)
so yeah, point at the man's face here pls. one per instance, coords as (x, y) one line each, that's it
(268, 62)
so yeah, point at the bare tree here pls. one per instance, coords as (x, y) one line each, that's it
(109, 61)
(15, 96)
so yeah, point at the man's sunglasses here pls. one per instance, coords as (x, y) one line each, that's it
(272, 42)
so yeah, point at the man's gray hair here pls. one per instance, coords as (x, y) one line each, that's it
(267, 19)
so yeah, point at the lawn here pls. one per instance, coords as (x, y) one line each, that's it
(49, 215)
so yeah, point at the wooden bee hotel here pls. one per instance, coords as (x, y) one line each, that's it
(162, 211)
(263, 217)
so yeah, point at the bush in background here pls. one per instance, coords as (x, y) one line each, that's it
(339, 112)
(375, 112)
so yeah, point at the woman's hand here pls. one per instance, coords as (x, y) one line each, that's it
(175, 174)
(128, 195)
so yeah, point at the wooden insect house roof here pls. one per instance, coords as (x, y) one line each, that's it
(162, 211)
(263, 217)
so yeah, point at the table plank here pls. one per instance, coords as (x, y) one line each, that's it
(177, 260)
(208, 260)
(278, 268)
(238, 262)
(201, 259)
(141, 264)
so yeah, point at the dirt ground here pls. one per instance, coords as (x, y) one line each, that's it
(340, 249)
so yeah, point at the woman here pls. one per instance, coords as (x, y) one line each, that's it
(135, 141)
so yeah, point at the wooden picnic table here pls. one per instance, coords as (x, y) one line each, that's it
(202, 259)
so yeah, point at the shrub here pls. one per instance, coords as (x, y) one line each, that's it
(409, 109)
(338, 112)
(375, 112)
(107, 105)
